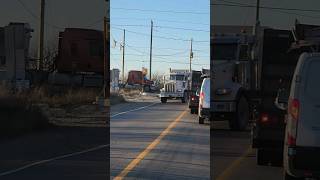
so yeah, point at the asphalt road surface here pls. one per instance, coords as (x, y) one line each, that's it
(150, 140)
(234, 159)
(60, 153)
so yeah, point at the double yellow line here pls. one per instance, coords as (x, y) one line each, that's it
(147, 150)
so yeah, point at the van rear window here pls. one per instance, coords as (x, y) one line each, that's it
(312, 83)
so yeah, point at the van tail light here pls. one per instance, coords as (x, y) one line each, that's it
(293, 112)
(201, 95)
(294, 109)
(264, 118)
(291, 140)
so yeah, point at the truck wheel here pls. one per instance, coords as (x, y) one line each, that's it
(289, 177)
(163, 100)
(262, 157)
(241, 116)
(184, 98)
(201, 120)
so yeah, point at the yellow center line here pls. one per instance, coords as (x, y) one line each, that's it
(229, 170)
(147, 150)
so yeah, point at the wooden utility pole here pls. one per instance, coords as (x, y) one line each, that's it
(150, 72)
(257, 23)
(191, 54)
(41, 36)
(106, 56)
(123, 49)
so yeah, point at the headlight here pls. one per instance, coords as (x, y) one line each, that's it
(223, 91)
(179, 90)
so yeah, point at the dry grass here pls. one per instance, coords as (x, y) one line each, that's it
(20, 112)
(129, 92)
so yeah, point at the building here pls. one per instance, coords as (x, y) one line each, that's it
(14, 49)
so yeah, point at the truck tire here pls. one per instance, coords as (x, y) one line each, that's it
(289, 177)
(240, 118)
(262, 157)
(201, 120)
(163, 100)
(184, 98)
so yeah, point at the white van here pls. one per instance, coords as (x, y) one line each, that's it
(302, 141)
(204, 101)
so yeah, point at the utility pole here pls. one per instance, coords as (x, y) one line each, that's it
(255, 49)
(151, 50)
(257, 23)
(41, 36)
(106, 56)
(123, 48)
(191, 54)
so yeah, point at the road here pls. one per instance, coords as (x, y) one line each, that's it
(233, 158)
(64, 153)
(158, 141)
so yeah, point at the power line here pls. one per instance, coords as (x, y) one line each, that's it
(161, 11)
(164, 27)
(35, 16)
(157, 55)
(171, 62)
(266, 7)
(284, 12)
(163, 20)
(162, 37)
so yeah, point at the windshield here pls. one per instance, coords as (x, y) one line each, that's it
(224, 51)
(177, 77)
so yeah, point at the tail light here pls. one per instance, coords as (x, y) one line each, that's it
(192, 98)
(293, 112)
(264, 118)
(201, 95)
(294, 109)
(291, 140)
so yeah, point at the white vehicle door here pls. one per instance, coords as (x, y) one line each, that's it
(205, 89)
(308, 132)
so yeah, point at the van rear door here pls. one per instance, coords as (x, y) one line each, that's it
(308, 132)
(206, 92)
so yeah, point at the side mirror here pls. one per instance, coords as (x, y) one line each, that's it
(198, 92)
(281, 101)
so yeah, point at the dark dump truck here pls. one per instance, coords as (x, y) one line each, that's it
(277, 69)
(195, 84)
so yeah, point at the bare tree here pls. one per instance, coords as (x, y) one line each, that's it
(158, 79)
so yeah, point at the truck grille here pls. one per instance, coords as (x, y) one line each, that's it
(170, 87)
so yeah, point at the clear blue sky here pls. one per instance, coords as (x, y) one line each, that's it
(135, 17)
